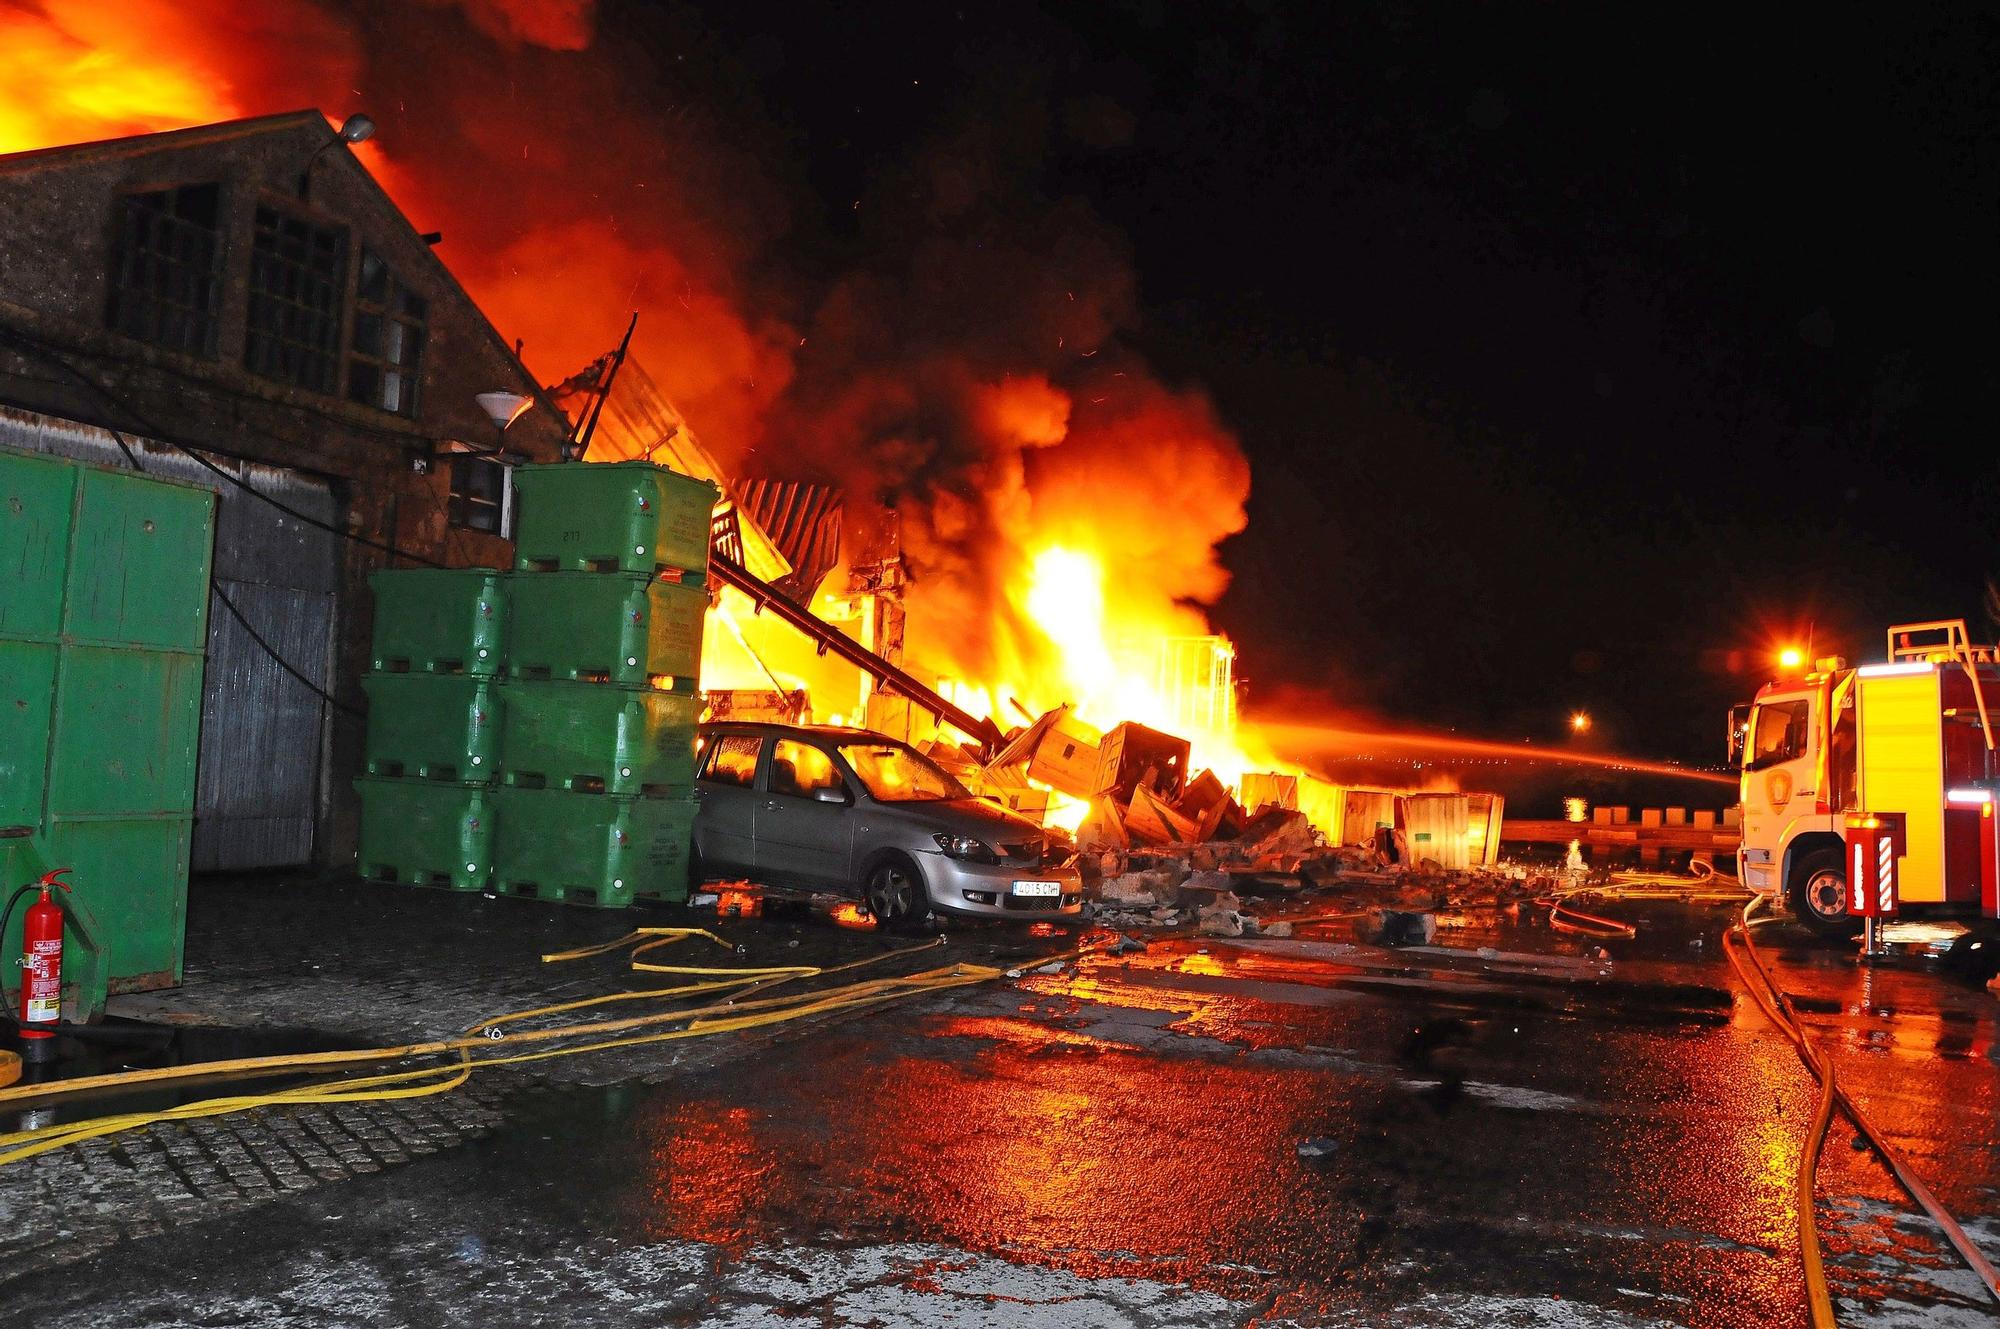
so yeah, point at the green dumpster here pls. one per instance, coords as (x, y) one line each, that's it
(590, 737)
(629, 516)
(592, 849)
(592, 627)
(439, 620)
(433, 727)
(426, 833)
(104, 584)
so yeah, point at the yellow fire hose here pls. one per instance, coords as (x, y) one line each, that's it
(726, 1016)
(1778, 1008)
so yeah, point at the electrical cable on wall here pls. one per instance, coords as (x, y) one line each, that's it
(318, 691)
(29, 346)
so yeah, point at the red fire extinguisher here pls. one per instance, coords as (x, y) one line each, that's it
(41, 965)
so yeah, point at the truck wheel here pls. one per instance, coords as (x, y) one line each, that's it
(1819, 894)
(895, 895)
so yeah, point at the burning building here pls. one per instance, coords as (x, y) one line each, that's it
(943, 441)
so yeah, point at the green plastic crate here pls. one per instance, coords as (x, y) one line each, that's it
(423, 833)
(37, 503)
(131, 873)
(589, 627)
(591, 738)
(629, 516)
(27, 709)
(594, 849)
(139, 559)
(433, 727)
(127, 729)
(440, 620)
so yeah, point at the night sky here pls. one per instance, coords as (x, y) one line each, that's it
(1572, 354)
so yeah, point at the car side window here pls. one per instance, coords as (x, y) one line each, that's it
(801, 770)
(732, 760)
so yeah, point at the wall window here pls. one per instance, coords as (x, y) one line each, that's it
(385, 357)
(480, 489)
(163, 274)
(298, 270)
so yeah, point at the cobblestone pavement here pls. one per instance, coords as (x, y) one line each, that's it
(373, 965)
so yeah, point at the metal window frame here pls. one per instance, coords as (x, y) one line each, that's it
(459, 452)
(388, 311)
(341, 284)
(120, 285)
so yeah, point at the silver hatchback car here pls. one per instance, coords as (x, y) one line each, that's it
(852, 811)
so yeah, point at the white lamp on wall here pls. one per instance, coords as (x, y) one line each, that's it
(503, 408)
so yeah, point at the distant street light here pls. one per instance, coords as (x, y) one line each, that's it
(1580, 721)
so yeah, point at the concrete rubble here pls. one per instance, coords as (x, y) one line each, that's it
(1280, 870)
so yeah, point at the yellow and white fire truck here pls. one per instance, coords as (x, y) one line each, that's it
(1870, 791)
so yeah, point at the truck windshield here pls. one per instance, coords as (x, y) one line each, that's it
(1778, 733)
(896, 774)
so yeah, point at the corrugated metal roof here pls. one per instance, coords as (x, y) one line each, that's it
(803, 520)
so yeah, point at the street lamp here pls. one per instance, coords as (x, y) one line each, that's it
(356, 128)
(1579, 722)
(1791, 658)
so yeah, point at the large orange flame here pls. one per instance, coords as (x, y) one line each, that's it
(77, 72)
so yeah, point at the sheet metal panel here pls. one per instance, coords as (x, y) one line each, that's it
(1902, 770)
(1436, 825)
(261, 729)
(123, 733)
(139, 560)
(37, 503)
(27, 716)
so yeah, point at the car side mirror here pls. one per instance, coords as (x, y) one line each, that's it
(831, 794)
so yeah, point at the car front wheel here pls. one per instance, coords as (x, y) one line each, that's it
(895, 895)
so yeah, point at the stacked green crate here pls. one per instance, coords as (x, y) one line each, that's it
(103, 629)
(432, 749)
(599, 709)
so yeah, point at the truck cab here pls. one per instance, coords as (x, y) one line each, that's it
(1795, 749)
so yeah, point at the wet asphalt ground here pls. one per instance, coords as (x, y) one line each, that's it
(1504, 1128)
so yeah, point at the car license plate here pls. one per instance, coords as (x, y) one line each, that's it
(1038, 888)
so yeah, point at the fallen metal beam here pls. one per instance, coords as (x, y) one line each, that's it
(830, 638)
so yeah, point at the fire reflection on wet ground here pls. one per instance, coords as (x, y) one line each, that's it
(1632, 1146)
(1515, 1127)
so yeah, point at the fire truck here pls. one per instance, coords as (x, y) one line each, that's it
(1869, 791)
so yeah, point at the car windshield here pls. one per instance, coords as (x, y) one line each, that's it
(897, 774)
